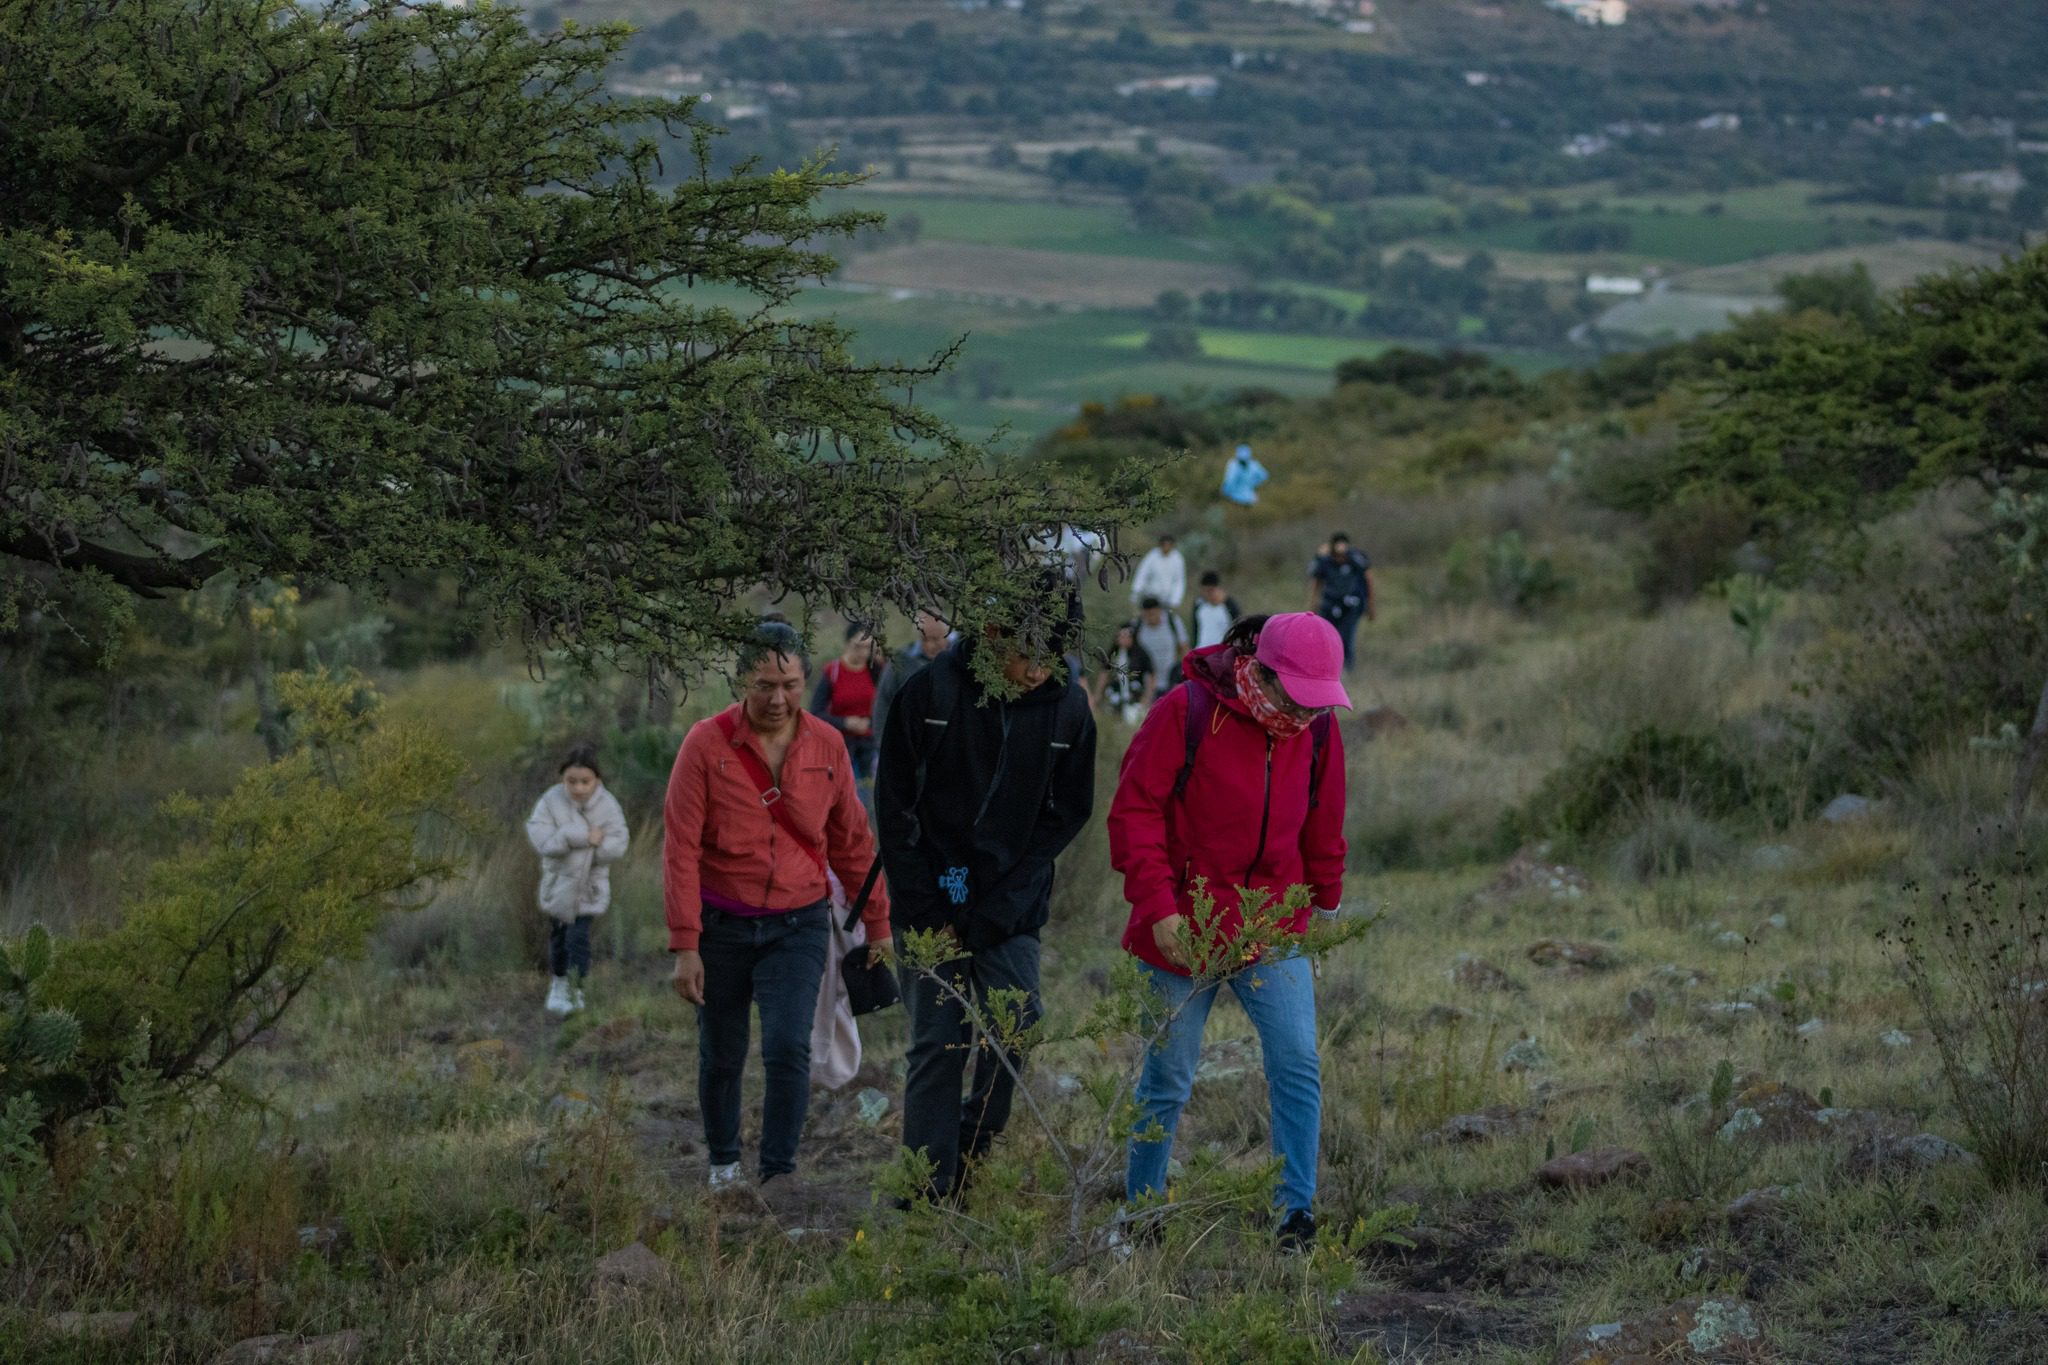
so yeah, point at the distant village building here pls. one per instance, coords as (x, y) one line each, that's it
(2000, 182)
(1614, 284)
(1719, 123)
(1592, 13)
(1587, 144)
(1195, 87)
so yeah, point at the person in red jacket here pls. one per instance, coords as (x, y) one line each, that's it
(760, 802)
(1236, 779)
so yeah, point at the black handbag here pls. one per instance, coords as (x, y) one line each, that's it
(870, 985)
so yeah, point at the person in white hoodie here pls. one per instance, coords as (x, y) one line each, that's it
(1163, 574)
(579, 831)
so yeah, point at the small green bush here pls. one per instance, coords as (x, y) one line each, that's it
(1599, 792)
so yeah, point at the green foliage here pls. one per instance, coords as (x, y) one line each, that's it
(38, 1043)
(1502, 568)
(1977, 967)
(503, 373)
(287, 873)
(1846, 293)
(1598, 790)
(1752, 603)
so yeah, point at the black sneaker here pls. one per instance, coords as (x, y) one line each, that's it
(1298, 1233)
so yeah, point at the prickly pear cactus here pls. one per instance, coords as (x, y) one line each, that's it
(36, 1042)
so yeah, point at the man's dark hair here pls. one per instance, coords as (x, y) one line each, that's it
(770, 637)
(1339, 538)
(1168, 539)
(1212, 579)
(1148, 603)
(856, 629)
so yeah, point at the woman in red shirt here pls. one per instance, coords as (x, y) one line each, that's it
(845, 698)
(760, 803)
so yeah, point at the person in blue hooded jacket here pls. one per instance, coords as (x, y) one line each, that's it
(1242, 477)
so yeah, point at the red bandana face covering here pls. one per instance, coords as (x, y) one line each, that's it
(1277, 723)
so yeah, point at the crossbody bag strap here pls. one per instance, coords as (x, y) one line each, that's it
(771, 793)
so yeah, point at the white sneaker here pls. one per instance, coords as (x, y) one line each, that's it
(558, 996)
(724, 1177)
(576, 1000)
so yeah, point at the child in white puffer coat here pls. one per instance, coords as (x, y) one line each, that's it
(578, 830)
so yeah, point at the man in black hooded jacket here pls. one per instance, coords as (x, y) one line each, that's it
(974, 798)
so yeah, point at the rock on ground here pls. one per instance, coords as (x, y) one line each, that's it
(1558, 952)
(1885, 1154)
(1691, 1329)
(1477, 974)
(99, 1326)
(1495, 1121)
(1584, 1170)
(1529, 872)
(286, 1348)
(632, 1266)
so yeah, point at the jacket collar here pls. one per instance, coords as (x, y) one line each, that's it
(1214, 667)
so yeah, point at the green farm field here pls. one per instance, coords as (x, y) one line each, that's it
(1096, 229)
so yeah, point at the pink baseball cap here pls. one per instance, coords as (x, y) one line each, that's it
(1304, 651)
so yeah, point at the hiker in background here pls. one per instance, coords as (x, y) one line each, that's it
(1164, 637)
(579, 831)
(1238, 779)
(1215, 612)
(1340, 590)
(1126, 682)
(933, 636)
(975, 798)
(760, 803)
(845, 698)
(1163, 574)
(1242, 477)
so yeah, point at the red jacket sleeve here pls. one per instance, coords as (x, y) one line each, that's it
(1137, 813)
(683, 842)
(850, 848)
(1322, 834)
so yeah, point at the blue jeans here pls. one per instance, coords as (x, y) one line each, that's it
(776, 962)
(1280, 998)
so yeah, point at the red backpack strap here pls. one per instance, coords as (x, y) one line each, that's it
(764, 782)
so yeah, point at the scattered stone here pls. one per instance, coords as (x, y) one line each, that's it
(286, 1348)
(1642, 1006)
(570, 1106)
(1740, 1122)
(323, 1238)
(1477, 974)
(871, 1104)
(1557, 952)
(1812, 1028)
(1524, 1054)
(484, 1058)
(1495, 1121)
(1783, 1113)
(97, 1326)
(1226, 1059)
(1731, 938)
(1685, 978)
(1065, 1084)
(1896, 1038)
(1883, 1154)
(1845, 808)
(1382, 720)
(1584, 1170)
(1729, 1010)
(1779, 921)
(1698, 1326)
(632, 1266)
(1443, 1016)
(1529, 871)
(1774, 858)
(1753, 1205)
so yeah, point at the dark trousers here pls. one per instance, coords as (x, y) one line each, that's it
(569, 946)
(936, 1121)
(775, 962)
(1346, 620)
